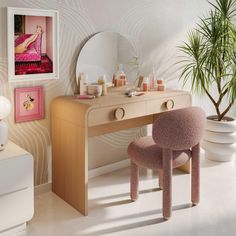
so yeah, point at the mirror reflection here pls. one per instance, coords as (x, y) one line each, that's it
(105, 54)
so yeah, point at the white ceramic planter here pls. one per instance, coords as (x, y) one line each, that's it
(219, 141)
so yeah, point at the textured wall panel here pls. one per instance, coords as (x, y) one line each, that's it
(154, 27)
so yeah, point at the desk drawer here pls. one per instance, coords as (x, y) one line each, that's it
(115, 113)
(166, 104)
(133, 110)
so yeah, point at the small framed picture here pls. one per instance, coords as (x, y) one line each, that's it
(29, 104)
(33, 44)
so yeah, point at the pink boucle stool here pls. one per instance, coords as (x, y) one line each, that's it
(175, 139)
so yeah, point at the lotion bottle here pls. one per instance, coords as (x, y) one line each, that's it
(121, 76)
(152, 80)
(102, 80)
(145, 84)
(83, 84)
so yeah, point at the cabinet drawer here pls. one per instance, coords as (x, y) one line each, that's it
(115, 113)
(16, 173)
(16, 208)
(166, 104)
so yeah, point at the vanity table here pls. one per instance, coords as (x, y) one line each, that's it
(73, 121)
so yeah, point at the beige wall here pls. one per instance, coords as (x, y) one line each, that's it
(155, 28)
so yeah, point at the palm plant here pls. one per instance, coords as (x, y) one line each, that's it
(210, 56)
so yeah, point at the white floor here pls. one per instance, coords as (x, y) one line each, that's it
(112, 213)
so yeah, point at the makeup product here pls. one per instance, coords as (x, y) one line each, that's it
(121, 72)
(161, 87)
(152, 80)
(140, 81)
(102, 81)
(160, 81)
(94, 89)
(132, 93)
(113, 79)
(81, 76)
(145, 84)
(120, 77)
(139, 94)
(85, 96)
(83, 84)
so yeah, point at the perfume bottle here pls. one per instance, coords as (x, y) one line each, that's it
(145, 84)
(152, 80)
(120, 77)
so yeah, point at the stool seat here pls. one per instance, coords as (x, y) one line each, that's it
(145, 152)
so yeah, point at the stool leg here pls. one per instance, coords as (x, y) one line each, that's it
(134, 181)
(160, 174)
(167, 182)
(195, 178)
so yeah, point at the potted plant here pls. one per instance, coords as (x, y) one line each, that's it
(209, 64)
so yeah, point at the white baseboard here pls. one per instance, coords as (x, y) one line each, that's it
(108, 168)
(44, 188)
(16, 230)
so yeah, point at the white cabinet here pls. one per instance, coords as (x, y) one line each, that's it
(16, 188)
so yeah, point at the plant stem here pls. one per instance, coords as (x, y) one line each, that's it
(208, 94)
(221, 96)
(225, 111)
(216, 104)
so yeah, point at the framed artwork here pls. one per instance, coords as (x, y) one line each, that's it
(33, 44)
(29, 104)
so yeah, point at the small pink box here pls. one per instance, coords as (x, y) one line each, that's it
(160, 81)
(161, 87)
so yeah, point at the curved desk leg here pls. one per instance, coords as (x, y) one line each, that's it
(69, 163)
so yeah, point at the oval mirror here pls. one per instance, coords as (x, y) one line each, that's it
(102, 54)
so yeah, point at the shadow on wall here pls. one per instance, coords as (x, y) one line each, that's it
(78, 20)
(164, 60)
(73, 64)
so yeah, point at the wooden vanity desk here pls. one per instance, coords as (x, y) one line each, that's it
(73, 121)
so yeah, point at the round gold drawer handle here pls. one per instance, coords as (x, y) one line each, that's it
(170, 104)
(119, 113)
